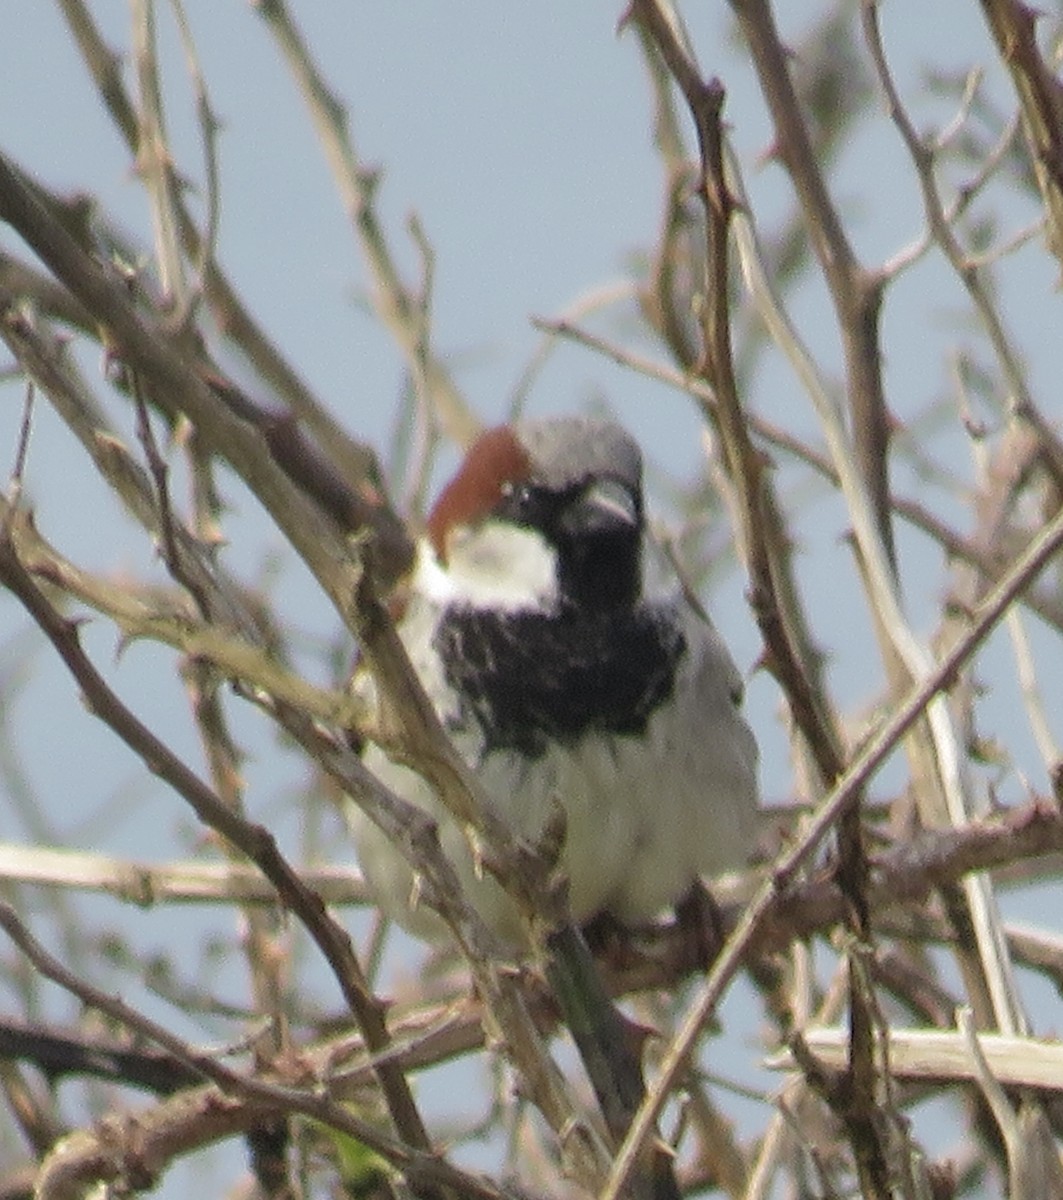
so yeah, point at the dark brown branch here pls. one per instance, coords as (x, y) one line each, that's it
(855, 292)
(1040, 94)
(59, 1054)
(746, 467)
(359, 507)
(48, 297)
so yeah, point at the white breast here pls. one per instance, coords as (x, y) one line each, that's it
(646, 815)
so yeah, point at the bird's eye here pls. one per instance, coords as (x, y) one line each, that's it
(521, 503)
(517, 495)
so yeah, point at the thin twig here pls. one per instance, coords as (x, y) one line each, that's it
(355, 461)
(1008, 1009)
(396, 306)
(18, 469)
(208, 131)
(154, 161)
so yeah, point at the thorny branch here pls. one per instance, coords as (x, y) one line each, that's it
(857, 1103)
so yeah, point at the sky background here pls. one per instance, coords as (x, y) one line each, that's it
(520, 136)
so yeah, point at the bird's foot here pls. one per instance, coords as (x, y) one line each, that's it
(700, 918)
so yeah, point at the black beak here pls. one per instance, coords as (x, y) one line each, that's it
(605, 506)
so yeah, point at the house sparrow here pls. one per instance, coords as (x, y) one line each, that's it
(561, 681)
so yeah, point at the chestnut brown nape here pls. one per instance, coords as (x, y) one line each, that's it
(495, 459)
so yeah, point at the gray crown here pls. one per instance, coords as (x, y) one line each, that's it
(566, 450)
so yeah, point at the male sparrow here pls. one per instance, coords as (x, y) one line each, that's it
(561, 681)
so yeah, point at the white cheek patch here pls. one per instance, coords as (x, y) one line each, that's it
(495, 565)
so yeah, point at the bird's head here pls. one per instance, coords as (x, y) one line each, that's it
(541, 514)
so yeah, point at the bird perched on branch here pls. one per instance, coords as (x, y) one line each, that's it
(562, 681)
